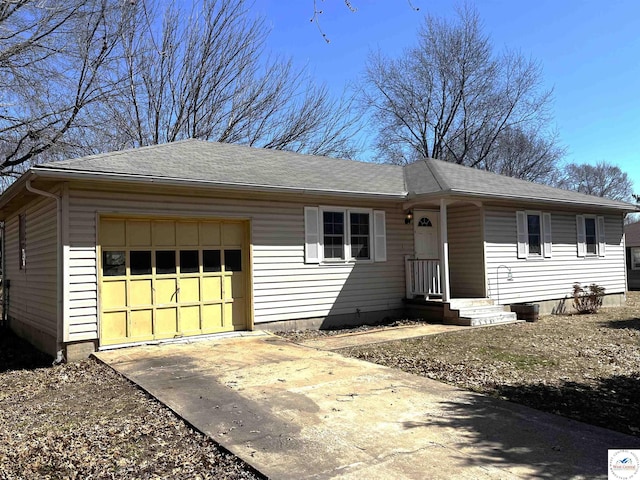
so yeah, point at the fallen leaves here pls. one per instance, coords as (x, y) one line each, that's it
(83, 420)
(585, 367)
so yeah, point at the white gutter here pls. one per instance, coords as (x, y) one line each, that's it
(59, 267)
(174, 181)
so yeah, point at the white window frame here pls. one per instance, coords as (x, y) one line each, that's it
(634, 265)
(22, 241)
(345, 241)
(581, 240)
(546, 243)
(346, 245)
(314, 235)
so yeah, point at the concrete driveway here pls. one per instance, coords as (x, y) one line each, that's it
(296, 412)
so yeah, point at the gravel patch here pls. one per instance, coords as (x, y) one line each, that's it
(83, 420)
(300, 335)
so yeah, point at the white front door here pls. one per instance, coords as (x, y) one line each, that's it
(426, 234)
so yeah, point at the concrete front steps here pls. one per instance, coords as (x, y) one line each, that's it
(475, 312)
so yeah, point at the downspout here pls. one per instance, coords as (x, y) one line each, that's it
(59, 350)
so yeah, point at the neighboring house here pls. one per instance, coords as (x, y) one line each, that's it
(632, 242)
(192, 238)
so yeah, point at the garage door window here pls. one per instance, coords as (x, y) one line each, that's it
(140, 262)
(165, 262)
(232, 261)
(189, 261)
(211, 261)
(113, 263)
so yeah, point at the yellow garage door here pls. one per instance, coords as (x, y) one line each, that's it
(162, 279)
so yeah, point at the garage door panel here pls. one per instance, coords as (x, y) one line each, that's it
(162, 278)
(141, 324)
(238, 316)
(187, 233)
(139, 233)
(234, 285)
(140, 292)
(190, 290)
(164, 234)
(210, 234)
(233, 234)
(112, 233)
(166, 324)
(114, 327)
(166, 291)
(114, 294)
(237, 285)
(211, 318)
(211, 289)
(190, 320)
(227, 317)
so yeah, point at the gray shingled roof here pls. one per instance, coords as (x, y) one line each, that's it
(632, 235)
(434, 176)
(240, 165)
(228, 164)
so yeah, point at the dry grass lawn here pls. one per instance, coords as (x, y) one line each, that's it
(586, 367)
(83, 420)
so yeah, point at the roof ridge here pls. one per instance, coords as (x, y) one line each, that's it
(298, 155)
(437, 176)
(116, 153)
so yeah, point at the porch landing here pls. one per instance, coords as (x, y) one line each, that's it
(462, 311)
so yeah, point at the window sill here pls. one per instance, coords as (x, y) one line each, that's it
(344, 262)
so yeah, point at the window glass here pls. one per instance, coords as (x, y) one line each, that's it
(165, 262)
(359, 235)
(211, 261)
(140, 262)
(424, 222)
(533, 227)
(233, 260)
(189, 262)
(635, 258)
(590, 235)
(333, 223)
(113, 263)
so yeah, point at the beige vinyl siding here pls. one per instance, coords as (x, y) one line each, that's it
(550, 278)
(466, 260)
(284, 287)
(33, 294)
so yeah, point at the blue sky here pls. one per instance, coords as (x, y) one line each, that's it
(589, 51)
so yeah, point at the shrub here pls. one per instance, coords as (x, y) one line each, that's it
(587, 300)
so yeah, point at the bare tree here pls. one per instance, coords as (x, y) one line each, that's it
(84, 76)
(205, 74)
(529, 155)
(452, 98)
(317, 13)
(602, 179)
(53, 57)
